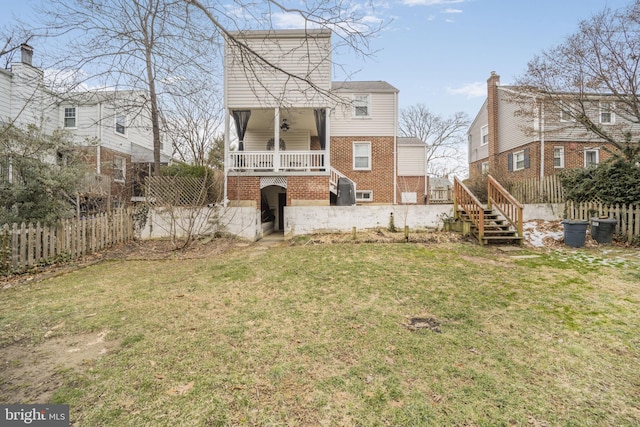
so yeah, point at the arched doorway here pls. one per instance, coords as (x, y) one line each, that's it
(273, 195)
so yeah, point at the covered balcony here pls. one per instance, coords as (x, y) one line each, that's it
(302, 148)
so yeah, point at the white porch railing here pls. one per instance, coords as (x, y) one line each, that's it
(263, 161)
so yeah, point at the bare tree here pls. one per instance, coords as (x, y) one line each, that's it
(444, 137)
(150, 45)
(598, 64)
(194, 124)
(156, 45)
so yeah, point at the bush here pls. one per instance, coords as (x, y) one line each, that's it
(616, 181)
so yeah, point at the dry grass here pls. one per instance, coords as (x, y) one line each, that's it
(335, 334)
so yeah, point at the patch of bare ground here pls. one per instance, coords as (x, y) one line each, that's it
(31, 373)
(380, 236)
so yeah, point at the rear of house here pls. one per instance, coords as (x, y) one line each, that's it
(302, 140)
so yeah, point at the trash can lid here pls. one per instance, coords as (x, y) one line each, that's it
(575, 221)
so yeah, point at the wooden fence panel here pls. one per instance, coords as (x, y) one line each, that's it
(627, 216)
(28, 245)
(535, 190)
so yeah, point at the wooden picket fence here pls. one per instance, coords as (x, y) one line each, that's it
(627, 216)
(538, 190)
(24, 246)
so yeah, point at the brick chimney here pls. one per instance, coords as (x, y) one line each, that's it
(492, 116)
(26, 54)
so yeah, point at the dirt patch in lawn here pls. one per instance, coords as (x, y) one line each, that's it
(32, 373)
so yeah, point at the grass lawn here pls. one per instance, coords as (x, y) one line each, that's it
(334, 335)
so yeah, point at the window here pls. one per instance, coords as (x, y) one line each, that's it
(364, 196)
(70, 117)
(519, 160)
(484, 168)
(484, 135)
(361, 107)
(119, 168)
(607, 116)
(566, 115)
(362, 156)
(558, 157)
(121, 124)
(591, 157)
(6, 170)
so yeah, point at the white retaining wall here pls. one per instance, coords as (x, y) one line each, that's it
(244, 222)
(319, 219)
(179, 222)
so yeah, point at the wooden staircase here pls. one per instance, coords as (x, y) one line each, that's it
(496, 229)
(500, 222)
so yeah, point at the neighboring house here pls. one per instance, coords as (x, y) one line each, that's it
(111, 128)
(336, 141)
(515, 136)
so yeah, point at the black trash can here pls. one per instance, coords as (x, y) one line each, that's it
(575, 232)
(602, 230)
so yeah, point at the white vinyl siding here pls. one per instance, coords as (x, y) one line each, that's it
(5, 88)
(294, 140)
(411, 160)
(513, 127)
(297, 54)
(382, 123)
(476, 151)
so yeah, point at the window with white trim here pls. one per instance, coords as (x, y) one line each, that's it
(362, 105)
(607, 116)
(121, 124)
(484, 168)
(566, 115)
(558, 157)
(518, 160)
(119, 168)
(70, 118)
(591, 157)
(484, 135)
(364, 196)
(361, 156)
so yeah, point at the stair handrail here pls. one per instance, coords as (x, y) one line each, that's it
(465, 199)
(335, 174)
(503, 201)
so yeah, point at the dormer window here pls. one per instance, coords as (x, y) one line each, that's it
(361, 106)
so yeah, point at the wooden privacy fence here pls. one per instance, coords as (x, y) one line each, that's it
(538, 190)
(627, 216)
(24, 246)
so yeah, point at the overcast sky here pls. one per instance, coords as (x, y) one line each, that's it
(441, 52)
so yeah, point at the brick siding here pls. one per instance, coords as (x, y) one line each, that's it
(380, 178)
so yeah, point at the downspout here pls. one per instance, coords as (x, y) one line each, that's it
(227, 112)
(99, 147)
(395, 148)
(226, 162)
(541, 130)
(541, 187)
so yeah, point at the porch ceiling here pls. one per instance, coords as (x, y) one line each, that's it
(297, 118)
